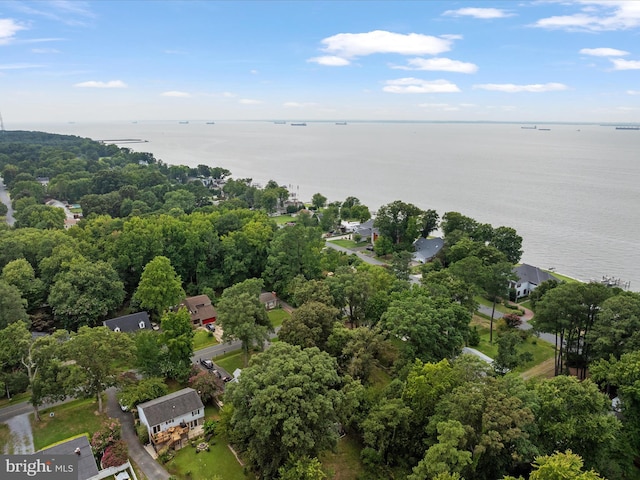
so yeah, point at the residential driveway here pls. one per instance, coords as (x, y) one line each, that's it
(152, 469)
(21, 435)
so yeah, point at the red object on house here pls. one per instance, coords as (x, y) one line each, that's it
(201, 310)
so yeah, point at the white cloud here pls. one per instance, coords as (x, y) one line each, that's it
(439, 64)
(44, 50)
(8, 29)
(253, 72)
(483, 13)
(249, 101)
(228, 95)
(417, 85)
(18, 66)
(175, 93)
(97, 84)
(511, 88)
(299, 104)
(349, 45)
(633, 92)
(330, 61)
(603, 52)
(597, 16)
(620, 64)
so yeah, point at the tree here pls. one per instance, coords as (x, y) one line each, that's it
(495, 283)
(208, 386)
(13, 307)
(429, 331)
(385, 431)
(293, 251)
(177, 336)
(429, 222)
(142, 391)
(160, 287)
(304, 468)
(40, 216)
(616, 330)
(95, 351)
(85, 293)
(148, 353)
(318, 200)
(309, 326)
(351, 290)
(285, 407)
(20, 274)
(508, 242)
(243, 317)
(508, 356)
(400, 222)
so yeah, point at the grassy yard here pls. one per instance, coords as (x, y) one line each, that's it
(19, 397)
(70, 419)
(282, 219)
(230, 361)
(488, 303)
(277, 316)
(540, 349)
(203, 338)
(203, 466)
(5, 436)
(345, 463)
(348, 243)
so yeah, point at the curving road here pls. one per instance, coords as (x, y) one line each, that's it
(4, 198)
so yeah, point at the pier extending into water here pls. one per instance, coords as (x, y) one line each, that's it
(123, 140)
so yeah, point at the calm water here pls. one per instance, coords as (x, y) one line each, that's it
(572, 192)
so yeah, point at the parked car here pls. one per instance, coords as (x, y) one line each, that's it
(123, 407)
(206, 363)
(226, 378)
(210, 327)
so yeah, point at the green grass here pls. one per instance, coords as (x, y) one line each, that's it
(379, 379)
(564, 278)
(282, 219)
(345, 463)
(277, 316)
(540, 349)
(230, 361)
(17, 398)
(203, 338)
(488, 303)
(217, 461)
(70, 419)
(347, 243)
(5, 436)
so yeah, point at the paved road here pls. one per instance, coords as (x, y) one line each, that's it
(152, 469)
(361, 256)
(4, 198)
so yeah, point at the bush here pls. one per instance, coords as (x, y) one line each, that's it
(143, 434)
(115, 455)
(165, 455)
(109, 433)
(474, 337)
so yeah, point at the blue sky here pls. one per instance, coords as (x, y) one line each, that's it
(387, 60)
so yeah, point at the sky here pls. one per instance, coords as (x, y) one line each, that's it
(543, 60)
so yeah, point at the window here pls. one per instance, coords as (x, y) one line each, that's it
(117, 329)
(141, 324)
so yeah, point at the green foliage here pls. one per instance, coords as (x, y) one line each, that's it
(160, 287)
(309, 326)
(303, 469)
(285, 406)
(143, 433)
(20, 273)
(177, 337)
(13, 308)
(142, 391)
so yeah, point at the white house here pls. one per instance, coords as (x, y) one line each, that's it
(170, 419)
(529, 277)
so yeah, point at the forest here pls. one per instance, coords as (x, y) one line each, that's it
(366, 352)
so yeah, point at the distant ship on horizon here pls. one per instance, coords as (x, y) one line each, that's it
(628, 127)
(533, 127)
(303, 124)
(341, 123)
(184, 122)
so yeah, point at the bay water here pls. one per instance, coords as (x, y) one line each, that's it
(571, 191)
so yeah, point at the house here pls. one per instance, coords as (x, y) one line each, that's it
(269, 300)
(529, 278)
(201, 310)
(367, 231)
(129, 323)
(173, 419)
(426, 249)
(87, 467)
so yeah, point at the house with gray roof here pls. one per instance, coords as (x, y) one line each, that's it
(201, 310)
(87, 467)
(529, 277)
(172, 419)
(426, 249)
(367, 231)
(129, 323)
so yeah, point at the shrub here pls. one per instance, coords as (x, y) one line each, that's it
(115, 454)
(143, 434)
(474, 337)
(165, 455)
(109, 433)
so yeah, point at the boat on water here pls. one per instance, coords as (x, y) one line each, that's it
(529, 127)
(341, 123)
(211, 123)
(630, 127)
(544, 129)
(280, 122)
(185, 122)
(299, 124)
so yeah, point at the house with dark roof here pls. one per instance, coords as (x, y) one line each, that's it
(87, 467)
(426, 249)
(129, 323)
(173, 419)
(269, 300)
(367, 231)
(529, 277)
(201, 310)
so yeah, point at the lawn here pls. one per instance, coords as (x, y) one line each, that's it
(488, 303)
(347, 243)
(5, 436)
(17, 398)
(540, 349)
(282, 219)
(230, 361)
(70, 419)
(203, 466)
(277, 316)
(203, 338)
(345, 463)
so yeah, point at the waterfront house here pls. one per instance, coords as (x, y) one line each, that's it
(129, 323)
(367, 231)
(201, 310)
(426, 249)
(529, 277)
(173, 419)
